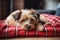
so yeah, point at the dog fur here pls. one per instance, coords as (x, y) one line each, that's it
(27, 19)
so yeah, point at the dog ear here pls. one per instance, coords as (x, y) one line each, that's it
(38, 15)
(17, 15)
(35, 13)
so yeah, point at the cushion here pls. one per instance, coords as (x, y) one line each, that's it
(50, 30)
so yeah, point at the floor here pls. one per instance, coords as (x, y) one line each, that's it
(36, 38)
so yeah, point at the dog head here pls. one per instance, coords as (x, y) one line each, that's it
(28, 19)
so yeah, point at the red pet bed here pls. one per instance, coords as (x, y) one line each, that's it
(50, 30)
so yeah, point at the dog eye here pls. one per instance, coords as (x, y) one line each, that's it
(31, 20)
(23, 20)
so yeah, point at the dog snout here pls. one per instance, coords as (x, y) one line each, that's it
(28, 27)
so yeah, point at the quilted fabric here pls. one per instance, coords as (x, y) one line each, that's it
(50, 30)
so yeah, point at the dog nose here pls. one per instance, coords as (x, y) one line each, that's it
(28, 27)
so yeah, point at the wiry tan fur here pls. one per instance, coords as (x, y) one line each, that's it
(26, 19)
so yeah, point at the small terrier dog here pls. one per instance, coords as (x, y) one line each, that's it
(27, 19)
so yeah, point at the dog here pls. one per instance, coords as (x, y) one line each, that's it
(27, 19)
(44, 20)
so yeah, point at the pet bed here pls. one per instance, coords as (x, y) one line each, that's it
(50, 30)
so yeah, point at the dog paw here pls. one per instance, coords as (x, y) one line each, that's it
(40, 27)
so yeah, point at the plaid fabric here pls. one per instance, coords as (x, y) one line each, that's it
(49, 30)
(52, 18)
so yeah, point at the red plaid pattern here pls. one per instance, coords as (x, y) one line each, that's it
(49, 30)
(52, 18)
